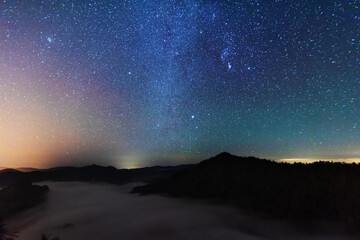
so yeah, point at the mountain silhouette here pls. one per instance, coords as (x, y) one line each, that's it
(91, 173)
(317, 191)
(20, 196)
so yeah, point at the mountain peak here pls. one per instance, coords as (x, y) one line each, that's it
(224, 154)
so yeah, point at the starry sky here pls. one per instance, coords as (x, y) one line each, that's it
(136, 83)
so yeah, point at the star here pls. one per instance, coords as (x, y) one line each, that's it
(133, 78)
(49, 39)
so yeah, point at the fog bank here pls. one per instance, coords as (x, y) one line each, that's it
(76, 211)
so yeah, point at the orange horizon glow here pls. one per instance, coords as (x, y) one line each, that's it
(30, 135)
(31, 138)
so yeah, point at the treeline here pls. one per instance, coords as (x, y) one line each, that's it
(317, 191)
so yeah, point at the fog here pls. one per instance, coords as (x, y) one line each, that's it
(77, 211)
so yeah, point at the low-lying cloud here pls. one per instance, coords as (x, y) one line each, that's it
(94, 211)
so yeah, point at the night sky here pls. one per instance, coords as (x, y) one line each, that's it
(145, 82)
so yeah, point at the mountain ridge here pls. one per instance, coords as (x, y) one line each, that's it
(315, 191)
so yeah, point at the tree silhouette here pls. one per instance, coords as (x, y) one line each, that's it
(4, 234)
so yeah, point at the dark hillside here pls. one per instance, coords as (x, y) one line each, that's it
(318, 191)
(20, 196)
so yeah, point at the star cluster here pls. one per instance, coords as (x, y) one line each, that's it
(166, 81)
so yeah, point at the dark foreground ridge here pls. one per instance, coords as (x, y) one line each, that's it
(17, 197)
(20, 196)
(317, 191)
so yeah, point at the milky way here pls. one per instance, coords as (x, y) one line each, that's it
(170, 81)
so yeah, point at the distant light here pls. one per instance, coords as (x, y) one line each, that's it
(50, 39)
(192, 116)
(311, 160)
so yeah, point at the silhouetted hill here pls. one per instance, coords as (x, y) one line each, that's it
(9, 170)
(2, 169)
(19, 196)
(317, 191)
(23, 169)
(91, 173)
